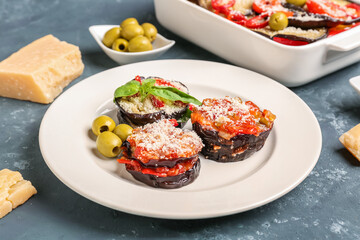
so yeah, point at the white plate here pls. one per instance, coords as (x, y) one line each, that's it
(355, 83)
(288, 156)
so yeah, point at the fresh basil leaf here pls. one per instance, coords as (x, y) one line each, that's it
(173, 94)
(128, 89)
(145, 87)
(148, 80)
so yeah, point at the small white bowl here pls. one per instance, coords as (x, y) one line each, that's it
(355, 83)
(160, 46)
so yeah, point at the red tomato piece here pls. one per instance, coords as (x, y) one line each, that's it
(353, 10)
(174, 122)
(162, 82)
(257, 22)
(235, 16)
(269, 7)
(289, 42)
(326, 7)
(157, 102)
(138, 78)
(222, 6)
(341, 28)
(191, 107)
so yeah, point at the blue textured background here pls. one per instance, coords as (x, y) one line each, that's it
(325, 206)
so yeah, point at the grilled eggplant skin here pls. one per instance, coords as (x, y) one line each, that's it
(238, 148)
(170, 182)
(306, 35)
(137, 120)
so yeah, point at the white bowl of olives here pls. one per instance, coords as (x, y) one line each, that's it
(130, 43)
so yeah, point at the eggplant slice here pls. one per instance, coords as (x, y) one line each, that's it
(170, 182)
(140, 119)
(137, 120)
(236, 149)
(296, 34)
(312, 21)
(153, 163)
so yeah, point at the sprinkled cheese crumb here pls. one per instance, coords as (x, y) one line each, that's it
(308, 33)
(161, 140)
(219, 110)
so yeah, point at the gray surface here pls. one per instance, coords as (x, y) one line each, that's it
(325, 206)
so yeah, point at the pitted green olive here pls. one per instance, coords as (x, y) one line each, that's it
(102, 124)
(110, 36)
(131, 30)
(120, 45)
(139, 44)
(150, 31)
(108, 144)
(278, 21)
(123, 131)
(299, 3)
(129, 21)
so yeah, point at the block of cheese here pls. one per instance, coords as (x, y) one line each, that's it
(39, 71)
(20, 192)
(351, 140)
(9, 178)
(14, 191)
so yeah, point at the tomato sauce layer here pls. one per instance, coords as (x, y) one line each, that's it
(231, 116)
(179, 168)
(161, 140)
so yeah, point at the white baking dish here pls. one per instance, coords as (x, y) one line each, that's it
(291, 66)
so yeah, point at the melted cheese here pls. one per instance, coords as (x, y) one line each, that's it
(39, 71)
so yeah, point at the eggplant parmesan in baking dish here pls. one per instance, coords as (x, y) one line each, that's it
(161, 155)
(231, 129)
(289, 22)
(147, 100)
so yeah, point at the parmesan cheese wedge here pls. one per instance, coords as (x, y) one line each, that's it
(351, 140)
(14, 191)
(39, 71)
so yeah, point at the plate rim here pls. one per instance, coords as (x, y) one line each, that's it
(186, 215)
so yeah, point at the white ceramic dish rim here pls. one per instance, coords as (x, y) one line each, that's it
(89, 180)
(355, 83)
(153, 51)
(333, 42)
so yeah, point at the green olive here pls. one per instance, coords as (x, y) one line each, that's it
(102, 124)
(120, 45)
(108, 144)
(278, 21)
(110, 36)
(139, 44)
(129, 21)
(150, 31)
(299, 3)
(131, 30)
(123, 131)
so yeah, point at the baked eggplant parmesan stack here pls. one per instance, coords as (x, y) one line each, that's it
(161, 155)
(143, 101)
(231, 129)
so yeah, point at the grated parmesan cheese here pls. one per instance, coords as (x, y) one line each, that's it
(161, 140)
(220, 110)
